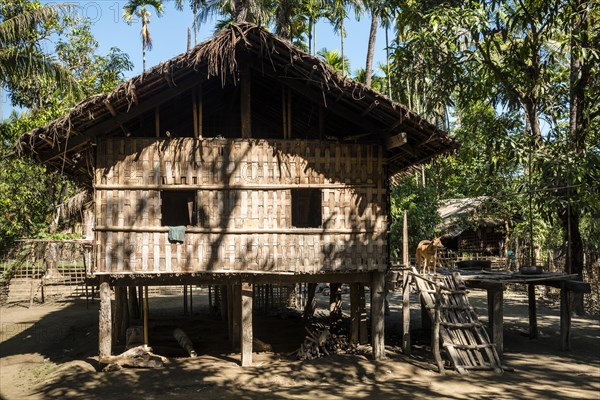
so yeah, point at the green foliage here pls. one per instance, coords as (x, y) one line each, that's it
(335, 60)
(29, 194)
(421, 205)
(25, 68)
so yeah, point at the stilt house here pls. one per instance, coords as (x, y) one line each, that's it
(243, 161)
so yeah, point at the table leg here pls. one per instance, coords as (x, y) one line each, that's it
(533, 331)
(496, 317)
(565, 318)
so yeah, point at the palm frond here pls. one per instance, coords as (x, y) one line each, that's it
(17, 65)
(18, 26)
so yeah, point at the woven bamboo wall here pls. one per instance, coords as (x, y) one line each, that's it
(242, 190)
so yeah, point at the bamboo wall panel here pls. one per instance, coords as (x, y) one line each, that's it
(243, 198)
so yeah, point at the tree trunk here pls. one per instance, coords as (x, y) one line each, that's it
(569, 218)
(371, 47)
(343, 59)
(531, 113)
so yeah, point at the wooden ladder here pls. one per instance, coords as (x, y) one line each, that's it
(463, 336)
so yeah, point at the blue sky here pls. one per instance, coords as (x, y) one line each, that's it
(169, 34)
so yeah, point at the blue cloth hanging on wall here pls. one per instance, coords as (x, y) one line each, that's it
(176, 234)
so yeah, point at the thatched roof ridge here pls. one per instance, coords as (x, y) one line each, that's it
(61, 143)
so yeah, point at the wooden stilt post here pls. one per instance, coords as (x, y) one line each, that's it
(104, 319)
(246, 323)
(309, 308)
(354, 313)
(335, 303)
(236, 320)
(134, 310)
(378, 314)
(191, 301)
(222, 301)
(229, 308)
(118, 319)
(185, 303)
(363, 334)
(533, 331)
(126, 318)
(210, 303)
(406, 311)
(146, 312)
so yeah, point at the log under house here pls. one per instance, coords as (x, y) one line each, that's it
(244, 161)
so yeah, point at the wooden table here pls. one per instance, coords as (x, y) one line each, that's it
(495, 282)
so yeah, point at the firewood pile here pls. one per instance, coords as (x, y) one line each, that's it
(320, 342)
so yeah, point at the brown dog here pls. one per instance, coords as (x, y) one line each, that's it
(426, 252)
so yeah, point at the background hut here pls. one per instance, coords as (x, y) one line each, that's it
(243, 161)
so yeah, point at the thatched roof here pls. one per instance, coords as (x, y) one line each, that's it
(456, 213)
(66, 144)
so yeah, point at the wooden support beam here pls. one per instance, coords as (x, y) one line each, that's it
(395, 141)
(104, 320)
(289, 114)
(374, 104)
(246, 299)
(533, 331)
(110, 107)
(157, 121)
(378, 315)
(246, 103)
(200, 110)
(236, 319)
(495, 295)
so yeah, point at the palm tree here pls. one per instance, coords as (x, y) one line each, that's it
(313, 10)
(21, 61)
(139, 9)
(236, 11)
(338, 12)
(335, 60)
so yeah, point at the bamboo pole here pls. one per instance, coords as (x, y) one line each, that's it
(146, 315)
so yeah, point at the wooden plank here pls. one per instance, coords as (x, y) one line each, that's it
(378, 315)
(246, 323)
(104, 319)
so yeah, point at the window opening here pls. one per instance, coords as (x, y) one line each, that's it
(178, 207)
(306, 208)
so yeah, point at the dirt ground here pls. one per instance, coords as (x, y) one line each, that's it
(49, 351)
